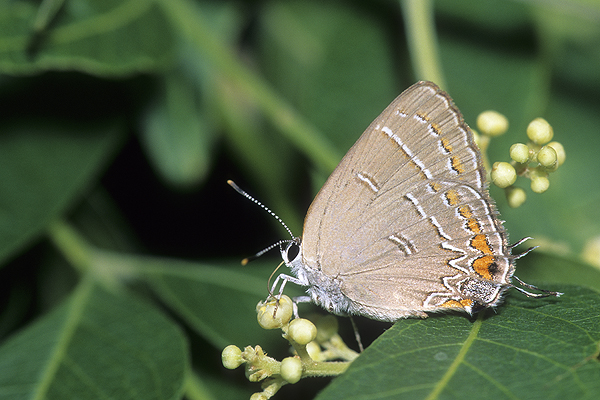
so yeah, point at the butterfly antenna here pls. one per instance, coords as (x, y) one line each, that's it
(267, 209)
(263, 251)
(261, 205)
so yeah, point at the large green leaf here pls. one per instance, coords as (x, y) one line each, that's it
(477, 76)
(218, 301)
(96, 345)
(43, 167)
(102, 37)
(569, 33)
(340, 59)
(180, 126)
(500, 17)
(529, 349)
(177, 133)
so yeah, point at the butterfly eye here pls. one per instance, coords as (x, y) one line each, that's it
(292, 251)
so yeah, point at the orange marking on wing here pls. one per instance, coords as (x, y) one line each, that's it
(473, 225)
(457, 165)
(466, 303)
(451, 304)
(465, 212)
(446, 145)
(452, 196)
(480, 243)
(482, 266)
(423, 116)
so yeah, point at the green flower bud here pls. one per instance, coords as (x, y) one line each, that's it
(540, 131)
(547, 157)
(231, 357)
(503, 174)
(560, 152)
(519, 152)
(314, 350)
(302, 331)
(291, 369)
(273, 314)
(492, 123)
(540, 184)
(259, 396)
(515, 197)
(327, 326)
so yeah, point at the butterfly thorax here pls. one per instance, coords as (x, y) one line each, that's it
(324, 291)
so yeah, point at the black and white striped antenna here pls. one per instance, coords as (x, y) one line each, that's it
(267, 209)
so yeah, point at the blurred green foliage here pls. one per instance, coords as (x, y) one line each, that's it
(121, 120)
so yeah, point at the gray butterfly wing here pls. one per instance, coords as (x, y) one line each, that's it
(406, 208)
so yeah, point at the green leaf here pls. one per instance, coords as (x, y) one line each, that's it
(179, 127)
(530, 349)
(223, 389)
(501, 17)
(569, 32)
(100, 37)
(96, 345)
(340, 59)
(218, 301)
(477, 74)
(335, 65)
(177, 132)
(43, 168)
(257, 150)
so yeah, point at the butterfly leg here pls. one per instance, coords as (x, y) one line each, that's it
(299, 299)
(545, 293)
(284, 280)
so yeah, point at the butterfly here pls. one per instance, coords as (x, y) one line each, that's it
(404, 225)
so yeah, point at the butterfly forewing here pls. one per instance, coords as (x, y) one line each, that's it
(412, 182)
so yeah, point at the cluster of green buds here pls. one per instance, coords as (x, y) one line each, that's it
(534, 160)
(314, 346)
